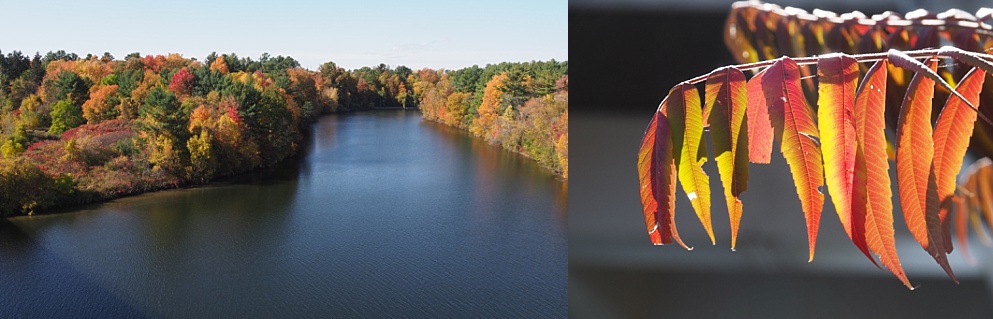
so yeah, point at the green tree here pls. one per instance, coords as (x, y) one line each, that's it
(67, 85)
(65, 115)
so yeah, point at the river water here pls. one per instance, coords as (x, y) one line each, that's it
(382, 215)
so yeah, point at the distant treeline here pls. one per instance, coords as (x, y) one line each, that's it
(81, 129)
(522, 106)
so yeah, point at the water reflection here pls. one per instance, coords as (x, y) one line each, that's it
(382, 214)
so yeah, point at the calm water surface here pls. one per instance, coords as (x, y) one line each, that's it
(382, 215)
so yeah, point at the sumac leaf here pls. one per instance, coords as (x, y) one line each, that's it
(838, 79)
(871, 194)
(686, 121)
(951, 138)
(793, 121)
(646, 174)
(916, 179)
(902, 60)
(760, 132)
(726, 96)
(983, 190)
(656, 171)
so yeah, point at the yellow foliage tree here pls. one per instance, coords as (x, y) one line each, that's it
(219, 65)
(457, 107)
(96, 108)
(202, 161)
(484, 125)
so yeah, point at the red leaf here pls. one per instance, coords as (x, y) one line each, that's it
(838, 78)
(871, 195)
(794, 126)
(951, 136)
(646, 174)
(759, 126)
(916, 178)
(656, 170)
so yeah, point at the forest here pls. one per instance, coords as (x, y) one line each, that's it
(75, 129)
(522, 106)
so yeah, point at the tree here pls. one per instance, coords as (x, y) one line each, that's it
(101, 105)
(219, 65)
(486, 125)
(65, 115)
(67, 85)
(457, 106)
(182, 82)
(201, 156)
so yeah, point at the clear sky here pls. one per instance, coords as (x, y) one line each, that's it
(437, 34)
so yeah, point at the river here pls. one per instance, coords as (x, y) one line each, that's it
(382, 215)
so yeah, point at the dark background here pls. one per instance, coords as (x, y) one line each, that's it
(624, 58)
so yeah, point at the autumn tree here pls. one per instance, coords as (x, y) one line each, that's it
(219, 65)
(489, 110)
(102, 104)
(182, 82)
(457, 106)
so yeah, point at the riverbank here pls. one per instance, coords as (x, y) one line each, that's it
(524, 107)
(96, 163)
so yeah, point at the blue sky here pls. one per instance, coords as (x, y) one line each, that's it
(435, 34)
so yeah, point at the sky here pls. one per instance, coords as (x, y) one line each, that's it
(435, 34)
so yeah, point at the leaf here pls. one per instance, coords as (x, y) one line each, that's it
(961, 226)
(951, 138)
(903, 60)
(645, 177)
(983, 190)
(838, 78)
(916, 179)
(726, 97)
(658, 187)
(973, 194)
(759, 126)
(737, 35)
(794, 126)
(686, 121)
(871, 195)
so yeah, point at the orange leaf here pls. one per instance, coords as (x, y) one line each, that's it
(837, 76)
(793, 121)
(951, 137)
(645, 177)
(658, 187)
(686, 121)
(759, 126)
(983, 189)
(871, 195)
(916, 178)
(726, 98)
(961, 223)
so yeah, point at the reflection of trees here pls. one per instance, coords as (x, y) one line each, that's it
(494, 170)
(16, 242)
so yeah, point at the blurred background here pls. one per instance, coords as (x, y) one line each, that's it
(625, 56)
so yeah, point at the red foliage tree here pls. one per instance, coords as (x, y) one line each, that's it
(182, 82)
